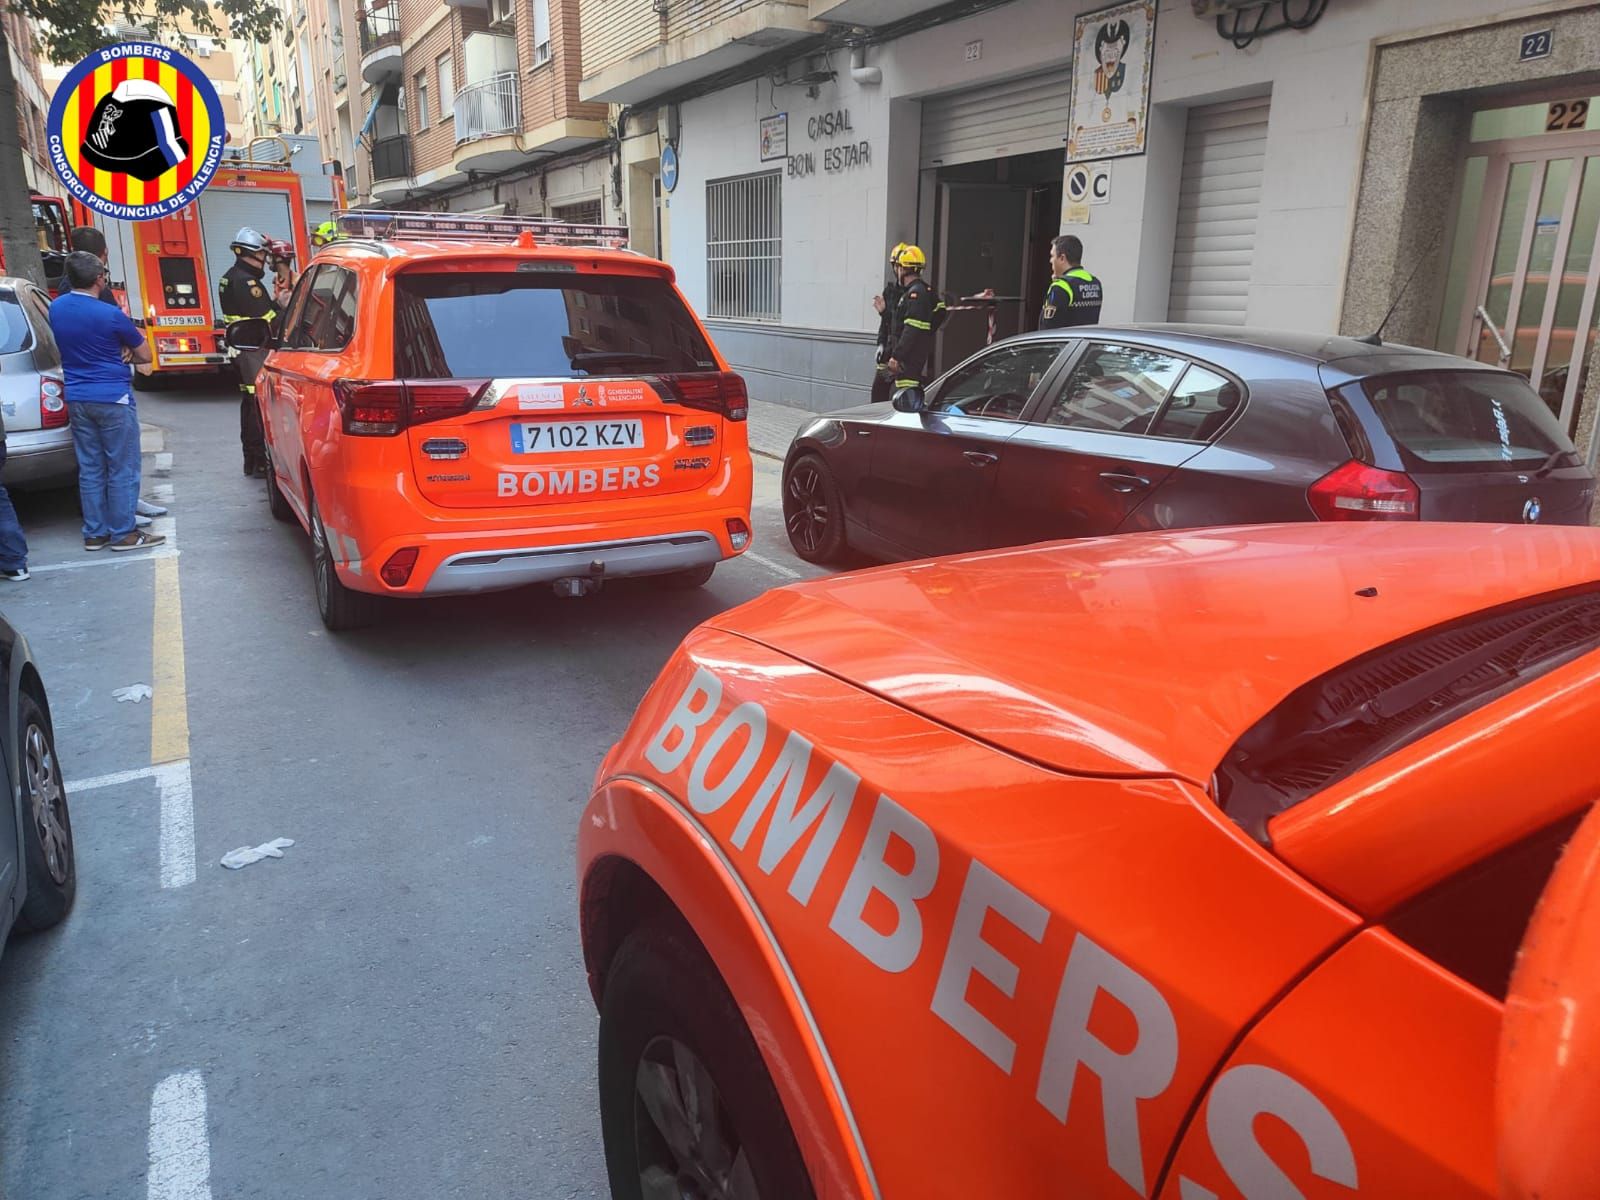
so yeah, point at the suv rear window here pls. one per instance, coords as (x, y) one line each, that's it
(1465, 420)
(14, 332)
(543, 324)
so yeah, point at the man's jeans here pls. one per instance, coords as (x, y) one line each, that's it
(13, 546)
(106, 438)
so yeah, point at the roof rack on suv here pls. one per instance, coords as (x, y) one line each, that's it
(386, 225)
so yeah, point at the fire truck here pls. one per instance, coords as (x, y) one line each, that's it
(170, 267)
(50, 225)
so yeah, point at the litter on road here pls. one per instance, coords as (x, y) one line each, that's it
(245, 855)
(133, 693)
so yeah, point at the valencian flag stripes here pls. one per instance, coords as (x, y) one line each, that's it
(136, 131)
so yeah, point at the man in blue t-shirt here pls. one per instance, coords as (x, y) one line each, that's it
(97, 343)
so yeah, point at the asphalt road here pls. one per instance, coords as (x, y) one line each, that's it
(395, 1008)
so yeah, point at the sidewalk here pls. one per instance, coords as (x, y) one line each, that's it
(773, 426)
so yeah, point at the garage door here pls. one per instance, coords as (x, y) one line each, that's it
(1223, 155)
(1010, 116)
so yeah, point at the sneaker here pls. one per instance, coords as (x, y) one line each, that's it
(97, 543)
(17, 575)
(140, 521)
(138, 540)
(148, 508)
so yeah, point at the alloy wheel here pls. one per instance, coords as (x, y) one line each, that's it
(687, 1148)
(808, 513)
(47, 803)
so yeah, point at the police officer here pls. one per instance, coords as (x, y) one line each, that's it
(917, 315)
(1074, 295)
(886, 302)
(243, 294)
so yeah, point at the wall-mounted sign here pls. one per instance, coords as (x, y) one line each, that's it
(1100, 183)
(775, 137)
(1535, 45)
(669, 167)
(1565, 115)
(1112, 52)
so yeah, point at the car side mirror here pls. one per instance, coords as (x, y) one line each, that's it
(910, 400)
(250, 333)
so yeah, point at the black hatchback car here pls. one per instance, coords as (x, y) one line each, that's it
(1083, 432)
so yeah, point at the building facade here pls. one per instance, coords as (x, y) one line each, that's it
(33, 101)
(1295, 181)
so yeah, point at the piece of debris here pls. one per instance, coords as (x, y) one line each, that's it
(133, 693)
(245, 855)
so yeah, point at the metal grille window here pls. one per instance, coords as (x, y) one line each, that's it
(744, 247)
(584, 212)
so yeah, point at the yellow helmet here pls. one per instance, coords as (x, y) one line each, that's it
(894, 255)
(912, 258)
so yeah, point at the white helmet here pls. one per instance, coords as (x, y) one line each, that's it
(248, 239)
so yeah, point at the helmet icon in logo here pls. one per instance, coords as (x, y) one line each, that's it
(1531, 511)
(134, 130)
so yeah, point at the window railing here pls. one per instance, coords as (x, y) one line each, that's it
(489, 108)
(391, 158)
(378, 29)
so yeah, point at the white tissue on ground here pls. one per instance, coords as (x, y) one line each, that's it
(245, 855)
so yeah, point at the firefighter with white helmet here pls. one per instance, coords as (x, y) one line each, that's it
(244, 294)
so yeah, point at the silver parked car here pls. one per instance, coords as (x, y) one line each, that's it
(33, 399)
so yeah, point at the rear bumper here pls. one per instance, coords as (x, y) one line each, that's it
(492, 570)
(39, 456)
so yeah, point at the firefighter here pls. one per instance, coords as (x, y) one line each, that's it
(886, 302)
(324, 233)
(917, 315)
(280, 256)
(243, 294)
(1074, 295)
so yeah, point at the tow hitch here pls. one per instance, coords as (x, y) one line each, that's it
(582, 585)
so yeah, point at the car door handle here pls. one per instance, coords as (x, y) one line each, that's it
(979, 459)
(1125, 481)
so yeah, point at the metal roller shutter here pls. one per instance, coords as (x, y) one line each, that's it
(1224, 152)
(225, 211)
(1010, 116)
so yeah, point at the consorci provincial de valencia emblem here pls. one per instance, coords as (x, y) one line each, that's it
(136, 131)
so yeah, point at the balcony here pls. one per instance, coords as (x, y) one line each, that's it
(341, 79)
(380, 45)
(488, 117)
(869, 12)
(391, 168)
(698, 41)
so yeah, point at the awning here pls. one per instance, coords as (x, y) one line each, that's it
(387, 95)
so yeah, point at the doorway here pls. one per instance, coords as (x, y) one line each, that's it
(1523, 277)
(993, 225)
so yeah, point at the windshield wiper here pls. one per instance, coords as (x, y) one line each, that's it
(1555, 460)
(585, 359)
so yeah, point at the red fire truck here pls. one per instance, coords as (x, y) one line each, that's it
(50, 224)
(170, 267)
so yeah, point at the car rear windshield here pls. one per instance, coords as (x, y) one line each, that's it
(14, 332)
(476, 326)
(1465, 420)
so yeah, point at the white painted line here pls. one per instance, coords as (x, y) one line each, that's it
(111, 780)
(180, 1142)
(108, 558)
(177, 824)
(776, 568)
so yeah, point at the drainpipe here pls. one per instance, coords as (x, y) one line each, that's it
(859, 71)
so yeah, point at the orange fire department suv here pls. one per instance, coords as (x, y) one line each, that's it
(1189, 865)
(462, 405)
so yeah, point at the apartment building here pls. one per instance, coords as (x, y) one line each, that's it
(33, 101)
(473, 106)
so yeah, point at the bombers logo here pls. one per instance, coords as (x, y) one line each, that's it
(136, 131)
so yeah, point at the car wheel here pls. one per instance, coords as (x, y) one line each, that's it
(277, 504)
(152, 382)
(686, 1104)
(338, 606)
(51, 864)
(686, 580)
(813, 510)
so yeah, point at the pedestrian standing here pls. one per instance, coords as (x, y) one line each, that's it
(243, 294)
(13, 546)
(916, 316)
(91, 240)
(97, 343)
(1074, 295)
(886, 302)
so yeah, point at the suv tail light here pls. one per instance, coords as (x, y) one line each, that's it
(720, 392)
(1357, 492)
(52, 403)
(385, 407)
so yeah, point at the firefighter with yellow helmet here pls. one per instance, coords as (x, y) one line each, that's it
(324, 233)
(886, 302)
(917, 316)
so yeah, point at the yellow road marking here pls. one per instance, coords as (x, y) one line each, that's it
(169, 707)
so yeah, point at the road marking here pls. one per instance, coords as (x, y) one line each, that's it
(776, 568)
(111, 780)
(108, 559)
(177, 824)
(180, 1143)
(169, 707)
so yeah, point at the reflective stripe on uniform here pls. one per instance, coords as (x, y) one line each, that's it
(905, 383)
(916, 324)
